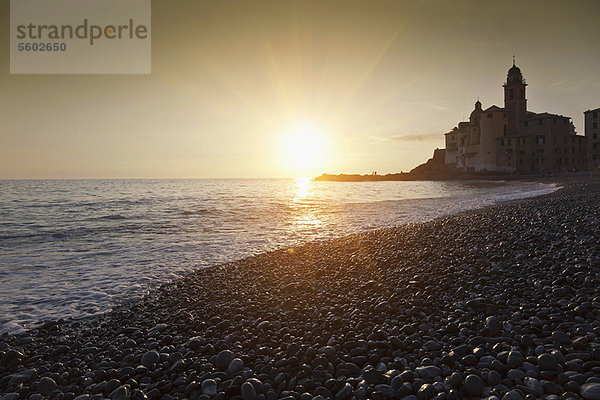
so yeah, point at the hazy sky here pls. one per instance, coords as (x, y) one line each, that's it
(380, 80)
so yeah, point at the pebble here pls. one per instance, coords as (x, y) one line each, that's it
(10, 356)
(46, 385)
(533, 386)
(473, 385)
(456, 379)
(385, 390)
(120, 393)
(493, 324)
(224, 358)
(248, 391)
(512, 395)
(150, 359)
(547, 362)
(426, 392)
(235, 365)
(404, 312)
(23, 376)
(158, 328)
(209, 387)
(494, 378)
(514, 359)
(590, 391)
(515, 374)
(561, 337)
(345, 392)
(429, 372)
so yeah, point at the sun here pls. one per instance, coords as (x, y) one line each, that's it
(304, 146)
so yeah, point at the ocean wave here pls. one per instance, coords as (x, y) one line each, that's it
(115, 217)
(202, 211)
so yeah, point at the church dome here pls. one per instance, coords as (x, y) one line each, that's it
(514, 74)
(514, 70)
(476, 113)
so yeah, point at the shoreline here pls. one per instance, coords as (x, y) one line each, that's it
(282, 324)
(370, 215)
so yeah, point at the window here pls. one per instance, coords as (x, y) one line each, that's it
(540, 139)
(595, 125)
(595, 115)
(509, 142)
(554, 121)
(490, 115)
(504, 129)
(526, 123)
(540, 122)
(522, 141)
(595, 136)
(502, 142)
(511, 94)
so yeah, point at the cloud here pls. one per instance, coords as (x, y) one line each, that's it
(556, 84)
(424, 137)
(427, 104)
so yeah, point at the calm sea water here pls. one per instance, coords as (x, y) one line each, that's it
(73, 248)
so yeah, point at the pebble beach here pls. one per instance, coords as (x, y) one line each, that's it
(500, 303)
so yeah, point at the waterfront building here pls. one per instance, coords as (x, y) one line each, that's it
(592, 133)
(512, 139)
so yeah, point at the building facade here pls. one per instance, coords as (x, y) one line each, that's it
(513, 139)
(592, 133)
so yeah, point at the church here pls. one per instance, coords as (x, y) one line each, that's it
(511, 139)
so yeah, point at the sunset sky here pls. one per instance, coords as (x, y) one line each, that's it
(236, 84)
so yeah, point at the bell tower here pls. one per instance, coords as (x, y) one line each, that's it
(515, 101)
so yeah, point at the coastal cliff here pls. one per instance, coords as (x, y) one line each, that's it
(433, 169)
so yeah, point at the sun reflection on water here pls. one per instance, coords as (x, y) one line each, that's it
(306, 215)
(303, 186)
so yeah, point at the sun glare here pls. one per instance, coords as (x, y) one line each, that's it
(304, 146)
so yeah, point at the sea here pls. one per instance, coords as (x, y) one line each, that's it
(77, 248)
